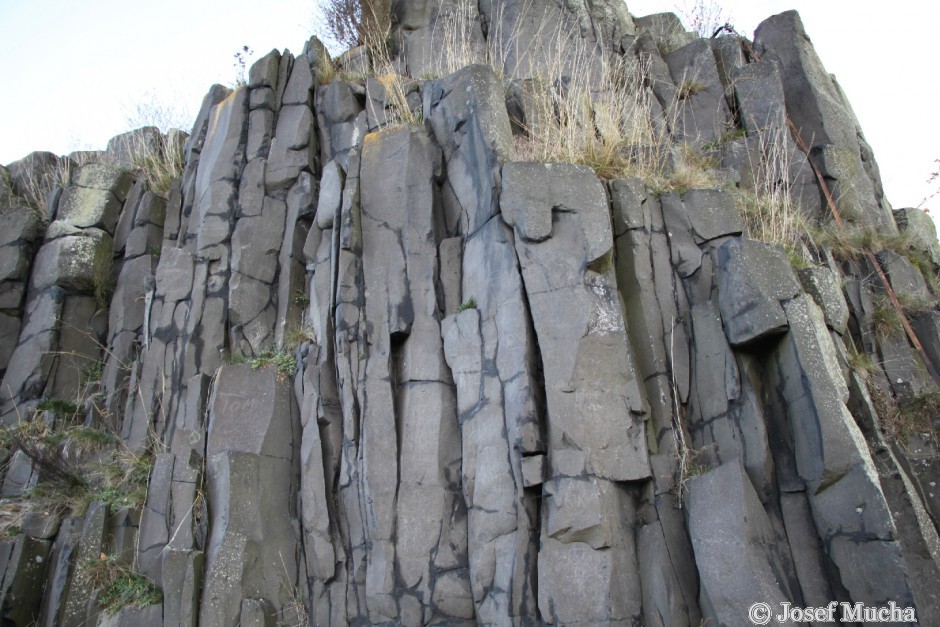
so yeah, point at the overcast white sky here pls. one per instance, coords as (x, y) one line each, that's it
(73, 68)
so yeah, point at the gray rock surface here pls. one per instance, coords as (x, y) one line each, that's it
(702, 114)
(253, 548)
(734, 542)
(753, 280)
(825, 121)
(918, 226)
(475, 136)
(428, 383)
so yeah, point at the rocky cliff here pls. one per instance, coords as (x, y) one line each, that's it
(367, 361)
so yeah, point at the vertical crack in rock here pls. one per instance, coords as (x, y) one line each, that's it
(595, 406)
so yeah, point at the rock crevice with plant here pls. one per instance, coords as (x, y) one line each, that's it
(518, 313)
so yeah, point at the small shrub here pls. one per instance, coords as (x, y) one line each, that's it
(325, 70)
(81, 439)
(886, 320)
(704, 17)
(797, 256)
(689, 467)
(301, 298)
(770, 215)
(154, 108)
(42, 179)
(91, 373)
(284, 362)
(397, 88)
(600, 116)
(912, 306)
(730, 135)
(237, 360)
(294, 336)
(65, 409)
(861, 363)
(126, 478)
(470, 304)
(349, 23)
(931, 180)
(850, 243)
(691, 170)
(42, 446)
(75, 467)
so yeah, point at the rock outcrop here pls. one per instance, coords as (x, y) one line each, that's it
(388, 373)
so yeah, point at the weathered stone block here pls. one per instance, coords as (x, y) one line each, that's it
(85, 207)
(174, 276)
(712, 214)
(181, 584)
(331, 194)
(21, 583)
(467, 112)
(826, 439)
(906, 279)
(564, 246)
(252, 411)
(253, 546)
(106, 177)
(736, 550)
(703, 113)
(263, 72)
(75, 263)
(753, 279)
(825, 287)
(920, 228)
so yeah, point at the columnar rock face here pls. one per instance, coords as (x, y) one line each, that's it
(391, 374)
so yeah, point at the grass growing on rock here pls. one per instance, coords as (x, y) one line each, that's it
(283, 361)
(770, 214)
(65, 409)
(688, 88)
(470, 304)
(159, 162)
(120, 586)
(919, 416)
(76, 465)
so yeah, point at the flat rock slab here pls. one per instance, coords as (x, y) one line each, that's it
(735, 546)
(564, 244)
(76, 263)
(825, 288)
(251, 412)
(253, 546)
(712, 214)
(753, 279)
(85, 207)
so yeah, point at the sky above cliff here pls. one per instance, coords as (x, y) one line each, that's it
(76, 73)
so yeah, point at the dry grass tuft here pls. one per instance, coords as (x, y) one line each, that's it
(688, 88)
(119, 584)
(918, 417)
(160, 162)
(770, 214)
